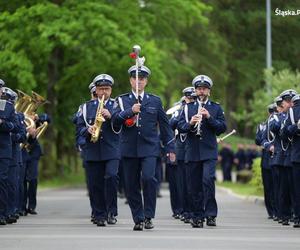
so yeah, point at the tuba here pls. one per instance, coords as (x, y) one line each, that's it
(28, 105)
(99, 119)
(22, 105)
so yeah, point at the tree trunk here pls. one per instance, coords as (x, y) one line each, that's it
(49, 160)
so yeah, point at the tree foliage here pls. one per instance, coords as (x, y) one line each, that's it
(56, 48)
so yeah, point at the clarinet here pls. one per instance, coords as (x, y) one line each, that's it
(198, 124)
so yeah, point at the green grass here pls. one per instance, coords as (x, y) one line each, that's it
(69, 180)
(242, 189)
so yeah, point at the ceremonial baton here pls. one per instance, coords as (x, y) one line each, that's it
(138, 63)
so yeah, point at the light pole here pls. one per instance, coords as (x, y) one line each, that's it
(268, 44)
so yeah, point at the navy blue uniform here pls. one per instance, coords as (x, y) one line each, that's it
(283, 170)
(15, 165)
(7, 125)
(292, 131)
(31, 173)
(266, 170)
(176, 172)
(226, 163)
(140, 147)
(101, 160)
(201, 155)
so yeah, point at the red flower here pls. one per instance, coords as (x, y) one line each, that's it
(130, 122)
(132, 55)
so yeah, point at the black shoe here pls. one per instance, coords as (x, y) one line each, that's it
(197, 224)
(275, 218)
(148, 224)
(17, 216)
(187, 220)
(176, 216)
(111, 220)
(2, 222)
(182, 218)
(101, 223)
(31, 211)
(11, 220)
(159, 195)
(211, 221)
(22, 213)
(270, 217)
(285, 222)
(138, 226)
(296, 224)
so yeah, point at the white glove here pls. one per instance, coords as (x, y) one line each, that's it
(298, 124)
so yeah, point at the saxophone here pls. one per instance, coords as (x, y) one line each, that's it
(99, 119)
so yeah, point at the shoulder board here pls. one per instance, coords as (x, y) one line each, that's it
(122, 95)
(92, 101)
(217, 103)
(112, 99)
(152, 95)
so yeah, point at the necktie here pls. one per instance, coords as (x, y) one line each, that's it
(140, 99)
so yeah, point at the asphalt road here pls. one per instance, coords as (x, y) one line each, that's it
(63, 223)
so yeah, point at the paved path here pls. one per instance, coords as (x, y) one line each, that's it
(63, 223)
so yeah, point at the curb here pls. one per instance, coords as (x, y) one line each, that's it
(255, 199)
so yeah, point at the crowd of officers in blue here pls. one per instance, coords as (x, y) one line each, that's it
(242, 160)
(134, 137)
(279, 137)
(20, 153)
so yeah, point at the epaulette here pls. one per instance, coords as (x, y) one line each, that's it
(112, 99)
(122, 95)
(90, 101)
(215, 103)
(153, 95)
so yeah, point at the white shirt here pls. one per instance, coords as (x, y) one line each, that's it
(141, 94)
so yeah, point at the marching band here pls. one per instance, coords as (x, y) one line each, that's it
(20, 151)
(131, 132)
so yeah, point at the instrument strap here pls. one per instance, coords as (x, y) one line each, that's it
(121, 103)
(2, 105)
(84, 115)
(291, 113)
(182, 137)
(186, 113)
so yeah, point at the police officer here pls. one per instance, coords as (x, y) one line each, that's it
(17, 136)
(102, 156)
(80, 142)
(202, 121)
(280, 159)
(227, 157)
(240, 158)
(268, 144)
(292, 130)
(266, 170)
(179, 181)
(7, 125)
(140, 145)
(33, 155)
